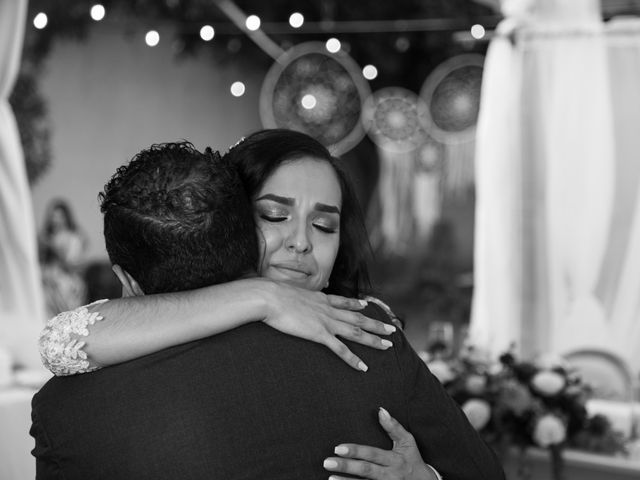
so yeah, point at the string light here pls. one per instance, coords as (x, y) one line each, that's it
(152, 38)
(207, 33)
(477, 31)
(370, 72)
(308, 101)
(296, 20)
(237, 89)
(40, 21)
(253, 22)
(402, 44)
(333, 45)
(97, 12)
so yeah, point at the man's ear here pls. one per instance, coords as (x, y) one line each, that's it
(130, 287)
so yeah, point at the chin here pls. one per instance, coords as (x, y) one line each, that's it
(301, 283)
(307, 285)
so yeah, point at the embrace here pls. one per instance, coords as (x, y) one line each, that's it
(246, 345)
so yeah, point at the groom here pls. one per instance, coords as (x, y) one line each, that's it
(174, 219)
(250, 403)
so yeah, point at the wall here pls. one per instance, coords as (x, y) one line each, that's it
(111, 96)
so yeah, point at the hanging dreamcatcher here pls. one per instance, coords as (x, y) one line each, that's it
(452, 95)
(316, 92)
(407, 194)
(393, 118)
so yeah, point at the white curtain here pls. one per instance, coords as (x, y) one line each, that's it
(497, 250)
(558, 212)
(21, 304)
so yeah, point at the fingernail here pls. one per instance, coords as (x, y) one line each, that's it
(386, 343)
(364, 303)
(328, 463)
(384, 414)
(362, 366)
(341, 450)
(389, 328)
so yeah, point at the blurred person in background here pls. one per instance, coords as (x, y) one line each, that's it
(62, 246)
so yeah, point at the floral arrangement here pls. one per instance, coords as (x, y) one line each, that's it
(517, 403)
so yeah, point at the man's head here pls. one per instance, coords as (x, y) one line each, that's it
(177, 219)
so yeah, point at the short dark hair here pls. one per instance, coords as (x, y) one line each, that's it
(178, 219)
(261, 153)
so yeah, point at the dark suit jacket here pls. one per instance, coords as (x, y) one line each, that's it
(251, 403)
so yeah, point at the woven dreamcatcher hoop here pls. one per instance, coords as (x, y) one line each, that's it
(452, 95)
(393, 118)
(407, 195)
(316, 92)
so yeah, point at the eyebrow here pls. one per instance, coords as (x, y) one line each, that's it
(320, 207)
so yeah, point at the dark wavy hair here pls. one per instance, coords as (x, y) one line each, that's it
(178, 219)
(261, 153)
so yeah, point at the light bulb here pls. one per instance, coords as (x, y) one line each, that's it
(40, 20)
(237, 89)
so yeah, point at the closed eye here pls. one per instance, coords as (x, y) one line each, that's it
(272, 219)
(325, 229)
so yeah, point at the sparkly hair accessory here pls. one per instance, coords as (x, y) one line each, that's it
(242, 139)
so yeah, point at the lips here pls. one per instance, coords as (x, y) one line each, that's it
(293, 269)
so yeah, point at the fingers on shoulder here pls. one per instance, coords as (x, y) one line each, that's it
(358, 335)
(342, 351)
(366, 323)
(345, 303)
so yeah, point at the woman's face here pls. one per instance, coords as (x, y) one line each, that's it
(58, 219)
(297, 210)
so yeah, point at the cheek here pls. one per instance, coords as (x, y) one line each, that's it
(269, 239)
(326, 256)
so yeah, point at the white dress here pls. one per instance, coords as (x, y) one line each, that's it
(61, 349)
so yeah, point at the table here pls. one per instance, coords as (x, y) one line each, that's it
(578, 466)
(584, 465)
(16, 461)
(622, 415)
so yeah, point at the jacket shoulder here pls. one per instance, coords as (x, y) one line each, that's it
(392, 317)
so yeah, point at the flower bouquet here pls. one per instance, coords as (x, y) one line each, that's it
(522, 404)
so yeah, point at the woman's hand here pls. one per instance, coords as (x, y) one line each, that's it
(322, 318)
(403, 462)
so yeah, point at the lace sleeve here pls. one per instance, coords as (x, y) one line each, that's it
(60, 344)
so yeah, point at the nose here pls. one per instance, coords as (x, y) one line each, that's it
(298, 240)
